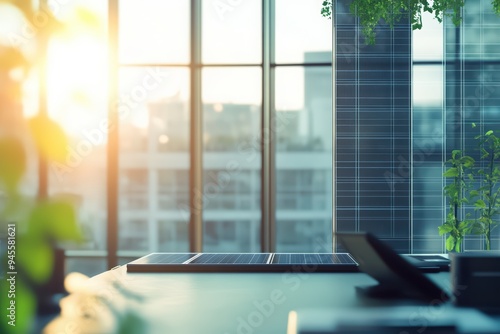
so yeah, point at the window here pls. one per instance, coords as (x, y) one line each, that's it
(225, 139)
(232, 73)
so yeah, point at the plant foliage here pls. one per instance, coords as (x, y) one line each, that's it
(456, 226)
(34, 225)
(372, 12)
(488, 202)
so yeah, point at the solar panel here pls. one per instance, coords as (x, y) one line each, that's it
(292, 258)
(242, 262)
(165, 258)
(231, 258)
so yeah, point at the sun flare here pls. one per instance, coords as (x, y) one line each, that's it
(77, 80)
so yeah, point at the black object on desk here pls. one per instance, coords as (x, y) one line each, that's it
(475, 276)
(397, 277)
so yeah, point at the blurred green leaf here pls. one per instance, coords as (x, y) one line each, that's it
(25, 306)
(49, 137)
(36, 257)
(480, 204)
(13, 166)
(55, 220)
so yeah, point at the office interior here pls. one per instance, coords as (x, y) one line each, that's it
(218, 126)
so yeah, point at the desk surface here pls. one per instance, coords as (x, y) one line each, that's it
(227, 303)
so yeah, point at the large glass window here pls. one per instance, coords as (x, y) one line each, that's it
(156, 149)
(252, 81)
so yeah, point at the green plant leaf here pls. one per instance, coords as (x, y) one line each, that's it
(463, 226)
(450, 243)
(55, 220)
(468, 161)
(451, 172)
(13, 162)
(480, 204)
(456, 153)
(25, 306)
(445, 228)
(49, 138)
(36, 257)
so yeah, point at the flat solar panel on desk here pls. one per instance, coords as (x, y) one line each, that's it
(291, 258)
(165, 258)
(230, 258)
(242, 262)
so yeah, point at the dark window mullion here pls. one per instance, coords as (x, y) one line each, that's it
(268, 180)
(196, 134)
(113, 137)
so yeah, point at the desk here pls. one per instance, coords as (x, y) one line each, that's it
(226, 303)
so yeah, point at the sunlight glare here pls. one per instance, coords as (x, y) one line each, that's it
(77, 80)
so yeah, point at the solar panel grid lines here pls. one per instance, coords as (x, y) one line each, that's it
(159, 258)
(313, 258)
(231, 258)
(241, 262)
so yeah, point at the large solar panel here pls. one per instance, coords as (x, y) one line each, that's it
(243, 262)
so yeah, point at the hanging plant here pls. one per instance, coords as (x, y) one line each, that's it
(372, 12)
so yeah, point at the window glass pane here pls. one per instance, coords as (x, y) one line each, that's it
(232, 32)
(304, 158)
(153, 109)
(427, 85)
(302, 35)
(231, 192)
(154, 159)
(77, 95)
(428, 41)
(427, 143)
(154, 31)
(173, 199)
